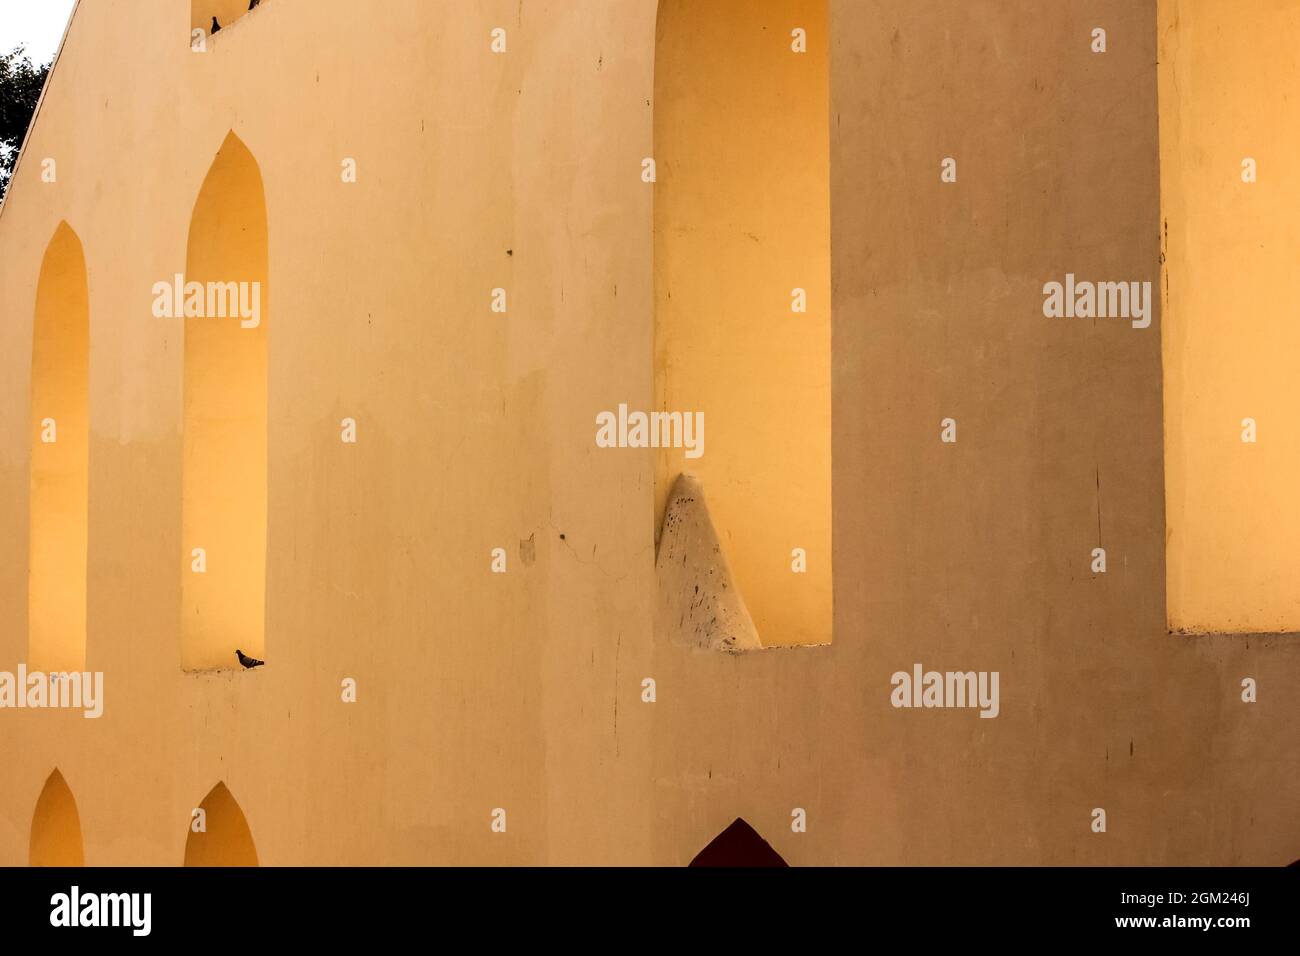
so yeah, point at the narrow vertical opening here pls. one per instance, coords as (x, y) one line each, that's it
(225, 299)
(60, 443)
(1229, 188)
(742, 292)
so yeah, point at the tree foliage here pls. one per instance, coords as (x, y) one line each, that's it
(20, 87)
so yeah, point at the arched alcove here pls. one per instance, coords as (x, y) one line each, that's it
(742, 221)
(225, 11)
(225, 839)
(739, 845)
(223, 510)
(60, 452)
(56, 826)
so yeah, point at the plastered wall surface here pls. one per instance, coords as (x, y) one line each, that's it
(475, 431)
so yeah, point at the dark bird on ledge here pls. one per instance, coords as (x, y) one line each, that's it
(248, 662)
(216, 27)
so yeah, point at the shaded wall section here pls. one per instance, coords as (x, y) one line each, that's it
(1229, 113)
(742, 220)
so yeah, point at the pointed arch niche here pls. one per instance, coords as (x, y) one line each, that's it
(223, 512)
(60, 453)
(741, 221)
(56, 826)
(226, 839)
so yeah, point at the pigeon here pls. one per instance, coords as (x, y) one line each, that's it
(216, 27)
(248, 662)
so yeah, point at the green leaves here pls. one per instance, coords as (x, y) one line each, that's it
(20, 88)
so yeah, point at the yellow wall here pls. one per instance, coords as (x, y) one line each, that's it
(1230, 335)
(741, 219)
(59, 458)
(475, 431)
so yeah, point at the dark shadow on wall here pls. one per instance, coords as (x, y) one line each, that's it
(739, 846)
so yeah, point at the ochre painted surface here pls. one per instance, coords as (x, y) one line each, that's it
(1228, 73)
(59, 459)
(741, 220)
(56, 828)
(476, 431)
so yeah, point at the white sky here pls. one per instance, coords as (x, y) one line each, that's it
(36, 23)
